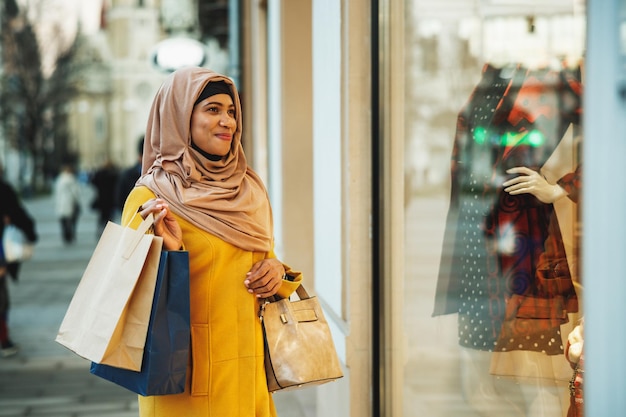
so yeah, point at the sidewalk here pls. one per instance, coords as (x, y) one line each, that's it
(46, 379)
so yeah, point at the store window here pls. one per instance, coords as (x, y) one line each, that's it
(492, 286)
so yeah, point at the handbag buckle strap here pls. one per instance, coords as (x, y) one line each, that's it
(262, 309)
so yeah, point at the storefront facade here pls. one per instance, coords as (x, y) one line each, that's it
(425, 161)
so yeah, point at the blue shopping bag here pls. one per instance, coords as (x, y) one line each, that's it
(166, 352)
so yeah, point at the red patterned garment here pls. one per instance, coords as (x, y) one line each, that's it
(576, 403)
(503, 266)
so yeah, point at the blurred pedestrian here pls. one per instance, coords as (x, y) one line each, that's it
(11, 212)
(105, 203)
(129, 177)
(67, 199)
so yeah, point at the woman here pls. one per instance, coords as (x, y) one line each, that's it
(67, 197)
(206, 200)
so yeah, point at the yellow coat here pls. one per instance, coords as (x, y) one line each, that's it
(226, 376)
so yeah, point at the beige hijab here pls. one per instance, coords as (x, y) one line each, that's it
(225, 198)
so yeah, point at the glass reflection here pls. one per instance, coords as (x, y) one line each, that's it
(504, 269)
(505, 290)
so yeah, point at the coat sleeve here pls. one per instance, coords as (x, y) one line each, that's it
(293, 281)
(136, 198)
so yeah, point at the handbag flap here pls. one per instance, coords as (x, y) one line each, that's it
(302, 316)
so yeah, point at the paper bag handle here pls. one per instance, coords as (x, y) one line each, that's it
(141, 230)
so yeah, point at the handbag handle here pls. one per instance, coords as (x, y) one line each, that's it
(141, 230)
(302, 293)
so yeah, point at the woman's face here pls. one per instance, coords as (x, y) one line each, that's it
(213, 123)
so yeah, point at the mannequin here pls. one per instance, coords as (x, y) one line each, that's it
(503, 249)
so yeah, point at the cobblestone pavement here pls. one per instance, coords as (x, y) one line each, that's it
(46, 379)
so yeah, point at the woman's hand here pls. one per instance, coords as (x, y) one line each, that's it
(265, 278)
(531, 182)
(165, 225)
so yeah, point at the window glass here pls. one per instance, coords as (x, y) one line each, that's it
(492, 180)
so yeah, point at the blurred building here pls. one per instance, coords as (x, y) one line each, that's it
(111, 112)
(119, 83)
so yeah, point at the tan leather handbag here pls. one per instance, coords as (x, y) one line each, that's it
(299, 349)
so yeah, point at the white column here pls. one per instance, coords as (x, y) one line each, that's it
(604, 209)
(274, 118)
(327, 152)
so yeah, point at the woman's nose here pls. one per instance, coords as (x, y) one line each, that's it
(227, 121)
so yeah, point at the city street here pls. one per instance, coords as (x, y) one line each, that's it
(46, 379)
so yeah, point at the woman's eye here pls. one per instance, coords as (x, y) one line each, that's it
(231, 113)
(213, 109)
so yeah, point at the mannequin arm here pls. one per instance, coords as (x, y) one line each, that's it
(531, 182)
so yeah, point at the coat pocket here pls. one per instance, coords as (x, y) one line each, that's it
(200, 365)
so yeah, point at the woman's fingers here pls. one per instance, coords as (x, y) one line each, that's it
(165, 224)
(266, 288)
(265, 277)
